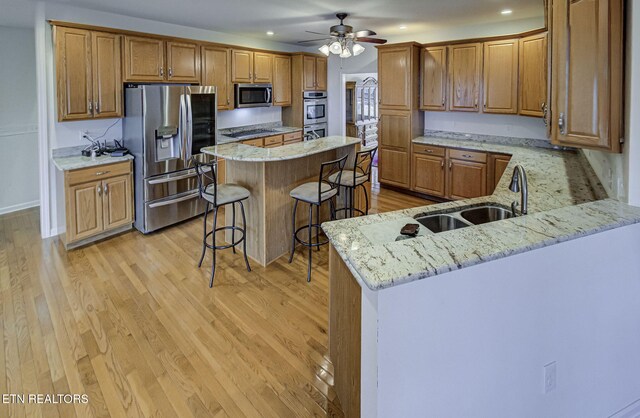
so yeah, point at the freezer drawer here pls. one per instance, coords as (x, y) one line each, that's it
(167, 211)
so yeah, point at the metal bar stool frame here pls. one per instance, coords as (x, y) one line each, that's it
(207, 177)
(362, 165)
(327, 169)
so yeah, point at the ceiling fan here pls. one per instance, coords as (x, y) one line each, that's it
(343, 41)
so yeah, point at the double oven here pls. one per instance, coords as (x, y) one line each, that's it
(165, 126)
(315, 114)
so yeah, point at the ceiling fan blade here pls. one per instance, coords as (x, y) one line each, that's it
(364, 33)
(315, 33)
(372, 40)
(313, 40)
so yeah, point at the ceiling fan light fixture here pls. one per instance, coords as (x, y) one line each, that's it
(335, 47)
(357, 49)
(346, 52)
(324, 49)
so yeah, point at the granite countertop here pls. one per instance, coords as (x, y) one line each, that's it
(566, 202)
(243, 152)
(70, 158)
(276, 130)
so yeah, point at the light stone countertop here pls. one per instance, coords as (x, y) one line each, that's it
(566, 202)
(242, 152)
(70, 158)
(277, 130)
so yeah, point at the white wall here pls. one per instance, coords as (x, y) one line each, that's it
(18, 120)
(473, 342)
(486, 124)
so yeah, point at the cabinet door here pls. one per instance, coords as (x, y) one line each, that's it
(183, 62)
(107, 75)
(394, 75)
(466, 179)
(395, 140)
(84, 210)
(321, 74)
(262, 67)
(501, 77)
(434, 78)
(587, 73)
(216, 71)
(117, 202)
(428, 175)
(73, 74)
(309, 73)
(497, 165)
(465, 63)
(143, 59)
(532, 95)
(241, 66)
(282, 80)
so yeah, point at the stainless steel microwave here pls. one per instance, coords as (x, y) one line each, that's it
(253, 95)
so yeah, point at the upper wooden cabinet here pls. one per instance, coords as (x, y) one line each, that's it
(314, 73)
(144, 60)
(500, 88)
(532, 85)
(281, 80)
(88, 73)
(397, 88)
(216, 71)
(587, 70)
(434, 78)
(251, 67)
(465, 67)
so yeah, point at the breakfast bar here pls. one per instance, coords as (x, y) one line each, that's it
(270, 174)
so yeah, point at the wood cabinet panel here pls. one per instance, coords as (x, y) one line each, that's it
(258, 142)
(117, 202)
(143, 59)
(428, 174)
(465, 64)
(533, 67)
(84, 210)
(587, 71)
(293, 137)
(241, 66)
(309, 73)
(221, 173)
(216, 71)
(394, 89)
(429, 150)
(393, 167)
(500, 89)
(434, 78)
(321, 73)
(466, 179)
(467, 155)
(73, 73)
(281, 80)
(183, 62)
(394, 130)
(498, 165)
(274, 140)
(107, 74)
(262, 67)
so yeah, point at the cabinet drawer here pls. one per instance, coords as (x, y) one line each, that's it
(428, 149)
(465, 155)
(273, 140)
(97, 173)
(292, 137)
(258, 142)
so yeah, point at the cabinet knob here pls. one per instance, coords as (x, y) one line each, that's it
(161, 72)
(97, 107)
(442, 164)
(106, 189)
(450, 164)
(99, 191)
(170, 72)
(228, 101)
(90, 107)
(561, 124)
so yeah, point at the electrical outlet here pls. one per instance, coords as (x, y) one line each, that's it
(550, 377)
(82, 135)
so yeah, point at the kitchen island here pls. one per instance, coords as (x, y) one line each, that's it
(270, 174)
(436, 325)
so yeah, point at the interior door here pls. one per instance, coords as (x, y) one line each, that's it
(107, 74)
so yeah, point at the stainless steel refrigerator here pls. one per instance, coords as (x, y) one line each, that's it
(164, 126)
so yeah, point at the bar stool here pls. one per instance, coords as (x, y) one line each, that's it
(216, 196)
(316, 193)
(352, 179)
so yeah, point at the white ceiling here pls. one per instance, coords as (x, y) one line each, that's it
(289, 19)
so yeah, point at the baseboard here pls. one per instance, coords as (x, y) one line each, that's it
(21, 206)
(630, 411)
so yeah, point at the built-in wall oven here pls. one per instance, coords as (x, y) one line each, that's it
(315, 131)
(315, 107)
(164, 127)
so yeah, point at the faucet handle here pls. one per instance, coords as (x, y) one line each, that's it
(514, 206)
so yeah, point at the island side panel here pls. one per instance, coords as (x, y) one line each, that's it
(345, 305)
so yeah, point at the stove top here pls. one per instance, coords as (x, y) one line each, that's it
(252, 132)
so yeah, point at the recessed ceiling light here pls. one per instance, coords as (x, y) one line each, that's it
(270, 33)
(506, 12)
(402, 27)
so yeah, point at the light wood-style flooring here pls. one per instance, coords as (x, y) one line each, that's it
(132, 323)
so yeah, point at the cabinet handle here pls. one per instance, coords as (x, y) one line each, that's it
(467, 155)
(170, 72)
(450, 164)
(442, 164)
(561, 124)
(90, 107)
(100, 173)
(161, 72)
(443, 101)
(430, 151)
(475, 103)
(228, 101)
(106, 189)
(99, 191)
(97, 108)
(544, 114)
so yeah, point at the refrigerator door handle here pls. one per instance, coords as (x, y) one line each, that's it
(183, 128)
(189, 133)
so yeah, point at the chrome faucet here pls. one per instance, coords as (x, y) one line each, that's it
(519, 184)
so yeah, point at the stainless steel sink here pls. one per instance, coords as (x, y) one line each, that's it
(441, 223)
(486, 214)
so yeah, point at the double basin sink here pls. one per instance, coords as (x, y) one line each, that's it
(464, 217)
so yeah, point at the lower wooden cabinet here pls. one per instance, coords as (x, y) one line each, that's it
(99, 201)
(466, 179)
(496, 168)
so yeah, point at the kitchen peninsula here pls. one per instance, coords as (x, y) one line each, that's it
(270, 174)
